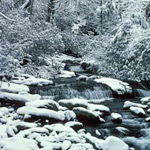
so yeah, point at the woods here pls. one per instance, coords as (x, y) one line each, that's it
(101, 31)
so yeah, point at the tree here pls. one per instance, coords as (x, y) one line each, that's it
(51, 11)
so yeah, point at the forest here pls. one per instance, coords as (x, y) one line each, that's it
(110, 35)
(74, 74)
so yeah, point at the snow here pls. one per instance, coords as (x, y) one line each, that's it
(82, 78)
(75, 102)
(3, 132)
(31, 131)
(26, 124)
(41, 112)
(63, 57)
(32, 97)
(13, 88)
(14, 97)
(147, 119)
(50, 104)
(116, 116)
(97, 107)
(88, 114)
(66, 74)
(73, 123)
(116, 85)
(70, 115)
(145, 99)
(129, 104)
(18, 144)
(137, 111)
(62, 128)
(32, 81)
(122, 130)
(114, 143)
(111, 143)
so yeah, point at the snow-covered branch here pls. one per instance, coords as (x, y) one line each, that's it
(4, 16)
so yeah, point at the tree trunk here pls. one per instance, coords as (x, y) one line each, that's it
(51, 7)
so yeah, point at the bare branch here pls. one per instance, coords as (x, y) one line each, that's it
(4, 16)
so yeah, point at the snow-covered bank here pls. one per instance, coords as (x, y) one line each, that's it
(119, 88)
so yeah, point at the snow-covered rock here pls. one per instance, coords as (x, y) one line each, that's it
(3, 132)
(71, 103)
(147, 119)
(49, 104)
(41, 112)
(114, 143)
(62, 128)
(145, 100)
(32, 97)
(116, 118)
(14, 97)
(87, 116)
(69, 115)
(117, 86)
(111, 143)
(138, 111)
(82, 78)
(122, 130)
(15, 143)
(129, 104)
(101, 108)
(13, 88)
(66, 145)
(25, 125)
(66, 74)
(75, 125)
(32, 81)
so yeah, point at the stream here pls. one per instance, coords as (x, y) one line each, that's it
(138, 134)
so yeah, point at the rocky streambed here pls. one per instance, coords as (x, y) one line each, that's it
(76, 111)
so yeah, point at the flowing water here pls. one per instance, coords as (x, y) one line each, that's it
(139, 130)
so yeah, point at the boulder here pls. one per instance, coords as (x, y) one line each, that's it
(101, 108)
(71, 103)
(75, 125)
(48, 104)
(129, 104)
(138, 111)
(116, 118)
(87, 116)
(119, 88)
(41, 113)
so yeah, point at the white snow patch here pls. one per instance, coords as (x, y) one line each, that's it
(32, 81)
(122, 130)
(96, 107)
(73, 102)
(42, 103)
(18, 144)
(129, 104)
(137, 110)
(66, 74)
(116, 85)
(114, 143)
(116, 116)
(14, 97)
(145, 100)
(41, 112)
(13, 88)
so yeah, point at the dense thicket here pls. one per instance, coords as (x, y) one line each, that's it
(112, 35)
